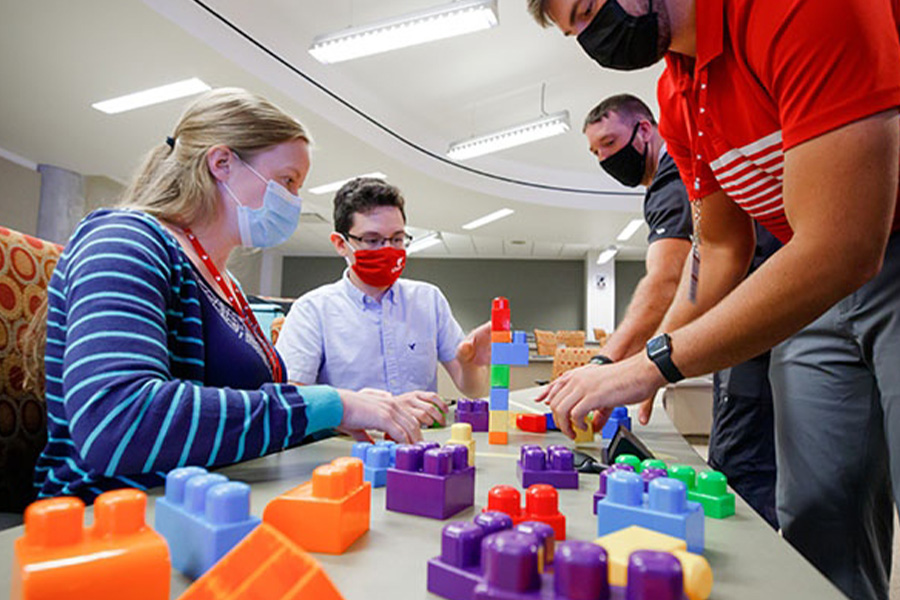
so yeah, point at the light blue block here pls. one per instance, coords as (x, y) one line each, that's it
(519, 337)
(509, 354)
(618, 417)
(665, 508)
(499, 399)
(202, 516)
(377, 459)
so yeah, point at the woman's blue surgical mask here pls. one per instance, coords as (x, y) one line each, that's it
(273, 222)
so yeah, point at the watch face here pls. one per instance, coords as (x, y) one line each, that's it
(657, 346)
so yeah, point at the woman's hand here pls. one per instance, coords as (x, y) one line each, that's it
(375, 409)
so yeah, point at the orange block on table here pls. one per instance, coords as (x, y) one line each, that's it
(265, 564)
(119, 556)
(328, 513)
(498, 437)
(501, 337)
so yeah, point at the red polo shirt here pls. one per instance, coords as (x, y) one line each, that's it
(769, 75)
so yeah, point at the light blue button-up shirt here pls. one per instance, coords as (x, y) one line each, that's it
(337, 335)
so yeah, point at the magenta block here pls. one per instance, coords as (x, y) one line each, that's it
(554, 467)
(430, 481)
(474, 412)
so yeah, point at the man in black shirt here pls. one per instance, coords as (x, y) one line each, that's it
(623, 135)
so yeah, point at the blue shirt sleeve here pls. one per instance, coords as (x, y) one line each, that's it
(301, 341)
(450, 334)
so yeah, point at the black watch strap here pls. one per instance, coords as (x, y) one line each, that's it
(601, 359)
(659, 350)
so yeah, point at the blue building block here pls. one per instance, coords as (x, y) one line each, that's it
(551, 424)
(509, 354)
(519, 337)
(618, 417)
(499, 399)
(554, 467)
(377, 459)
(202, 516)
(665, 508)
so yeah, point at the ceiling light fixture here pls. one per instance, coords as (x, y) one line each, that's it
(435, 23)
(336, 185)
(163, 93)
(544, 127)
(494, 216)
(432, 239)
(607, 255)
(630, 230)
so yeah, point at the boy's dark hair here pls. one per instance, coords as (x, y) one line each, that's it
(624, 105)
(361, 195)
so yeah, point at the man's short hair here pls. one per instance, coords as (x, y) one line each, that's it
(626, 106)
(362, 195)
(538, 10)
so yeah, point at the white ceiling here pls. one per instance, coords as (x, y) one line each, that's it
(58, 56)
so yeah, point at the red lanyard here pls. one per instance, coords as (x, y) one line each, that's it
(240, 305)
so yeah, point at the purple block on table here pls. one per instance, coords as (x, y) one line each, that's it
(430, 481)
(581, 572)
(651, 473)
(510, 562)
(555, 467)
(545, 534)
(600, 494)
(474, 412)
(654, 575)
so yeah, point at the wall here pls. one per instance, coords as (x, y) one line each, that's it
(20, 195)
(548, 294)
(628, 274)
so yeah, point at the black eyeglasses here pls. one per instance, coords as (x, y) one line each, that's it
(373, 242)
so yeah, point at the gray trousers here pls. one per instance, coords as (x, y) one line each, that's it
(836, 387)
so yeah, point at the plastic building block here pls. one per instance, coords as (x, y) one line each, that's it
(542, 504)
(377, 459)
(455, 573)
(600, 494)
(583, 436)
(119, 556)
(501, 337)
(507, 500)
(653, 574)
(547, 537)
(473, 412)
(555, 467)
(684, 473)
(500, 438)
(499, 398)
(202, 516)
(431, 482)
(712, 493)
(500, 376)
(461, 433)
(510, 560)
(500, 314)
(499, 420)
(697, 575)
(551, 424)
(437, 424)
(652, 463)
(531, 422)
(509, 354)
(328, 513)
(266, 564)
(651, 473)
(665, 508)
(619, 416)
(631, 460)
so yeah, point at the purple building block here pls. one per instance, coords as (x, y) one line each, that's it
(555, 466)
(651, 473)
(545, 534)
(619, 416)
(654, 575)
(665, 508)
(600, 494)
(581, 572)
(510, 562)
(430, 481)
(474, 412)
(455, 573)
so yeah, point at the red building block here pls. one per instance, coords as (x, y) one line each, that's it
(532, 423)
(500, 320)
(266, 564)
(328, 513)
(541, 504)
(119, 556)
(505, 499)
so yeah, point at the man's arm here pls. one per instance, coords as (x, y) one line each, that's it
(651, 299)
(470, 370)
(300, 343)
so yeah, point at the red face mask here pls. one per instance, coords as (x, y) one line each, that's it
(379, 268)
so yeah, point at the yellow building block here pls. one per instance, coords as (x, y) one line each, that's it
(698, 577)
(583, 436)
(512, 419)
(499, 421)
(461, 434)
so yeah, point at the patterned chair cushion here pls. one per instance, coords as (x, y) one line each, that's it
(572, 339)
(545, 341)
(26, 264)
(567, 359)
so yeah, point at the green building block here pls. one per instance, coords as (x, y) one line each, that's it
(500, 376)
(652, 463)
(437, 424)
(685, 474)
(712, 493)
(630, 459)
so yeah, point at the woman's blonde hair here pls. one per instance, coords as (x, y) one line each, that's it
(174, 182)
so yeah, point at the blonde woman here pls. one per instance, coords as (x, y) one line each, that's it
(153, 358)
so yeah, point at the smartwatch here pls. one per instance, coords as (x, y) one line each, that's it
(600, 359)
(659, 350)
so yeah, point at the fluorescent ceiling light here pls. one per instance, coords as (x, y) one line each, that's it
(607, 255)
(630, 230)
(494, 216)
(163, 93)
(525, 133)
(432, 239)
(336, 185)
(436, 23)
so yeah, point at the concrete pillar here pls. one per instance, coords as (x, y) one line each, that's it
(62, 203)
(270, 273)
(600, 305)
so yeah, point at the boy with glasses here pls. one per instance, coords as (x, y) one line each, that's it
(372, 329)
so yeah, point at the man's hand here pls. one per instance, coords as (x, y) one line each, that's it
(476, 348)
(376, 409)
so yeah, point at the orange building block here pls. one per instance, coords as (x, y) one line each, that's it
(498, 437)
(328, 513)
(265, 564)
(501, 337)
(119, 556)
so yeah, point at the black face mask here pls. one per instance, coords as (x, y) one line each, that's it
(621, 41)
(627, 165)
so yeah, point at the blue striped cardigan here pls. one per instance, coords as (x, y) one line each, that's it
(126, 399)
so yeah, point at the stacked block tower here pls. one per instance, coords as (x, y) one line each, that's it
(507, 349)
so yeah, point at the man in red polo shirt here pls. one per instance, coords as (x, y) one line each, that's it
(783, 111)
